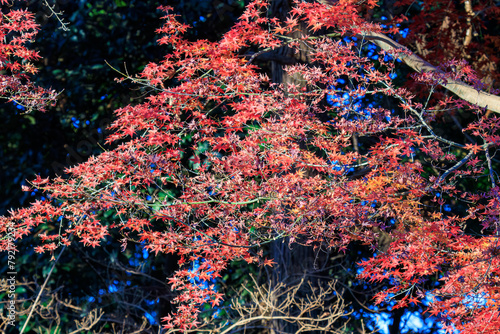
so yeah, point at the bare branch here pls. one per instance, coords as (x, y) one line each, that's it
(88, 322)
(312, 313)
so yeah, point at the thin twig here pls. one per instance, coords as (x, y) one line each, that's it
(57, 15)
(41, 290)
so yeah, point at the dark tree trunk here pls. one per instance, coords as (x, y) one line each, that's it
(293, 262)
(280, 9)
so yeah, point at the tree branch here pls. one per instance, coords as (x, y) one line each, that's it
(464, 91)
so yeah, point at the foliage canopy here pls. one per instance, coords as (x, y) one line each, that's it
(220, 161)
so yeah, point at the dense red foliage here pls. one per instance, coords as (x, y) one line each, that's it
(17, 28)
(236, 160)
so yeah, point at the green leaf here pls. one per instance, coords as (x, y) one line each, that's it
(120, 3)
(31, 119)
(19, 290)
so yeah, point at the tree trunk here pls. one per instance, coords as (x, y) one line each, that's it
(280, 9)
(293, 262)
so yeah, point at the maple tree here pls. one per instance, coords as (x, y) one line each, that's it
(17, 28)
(220, 160)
